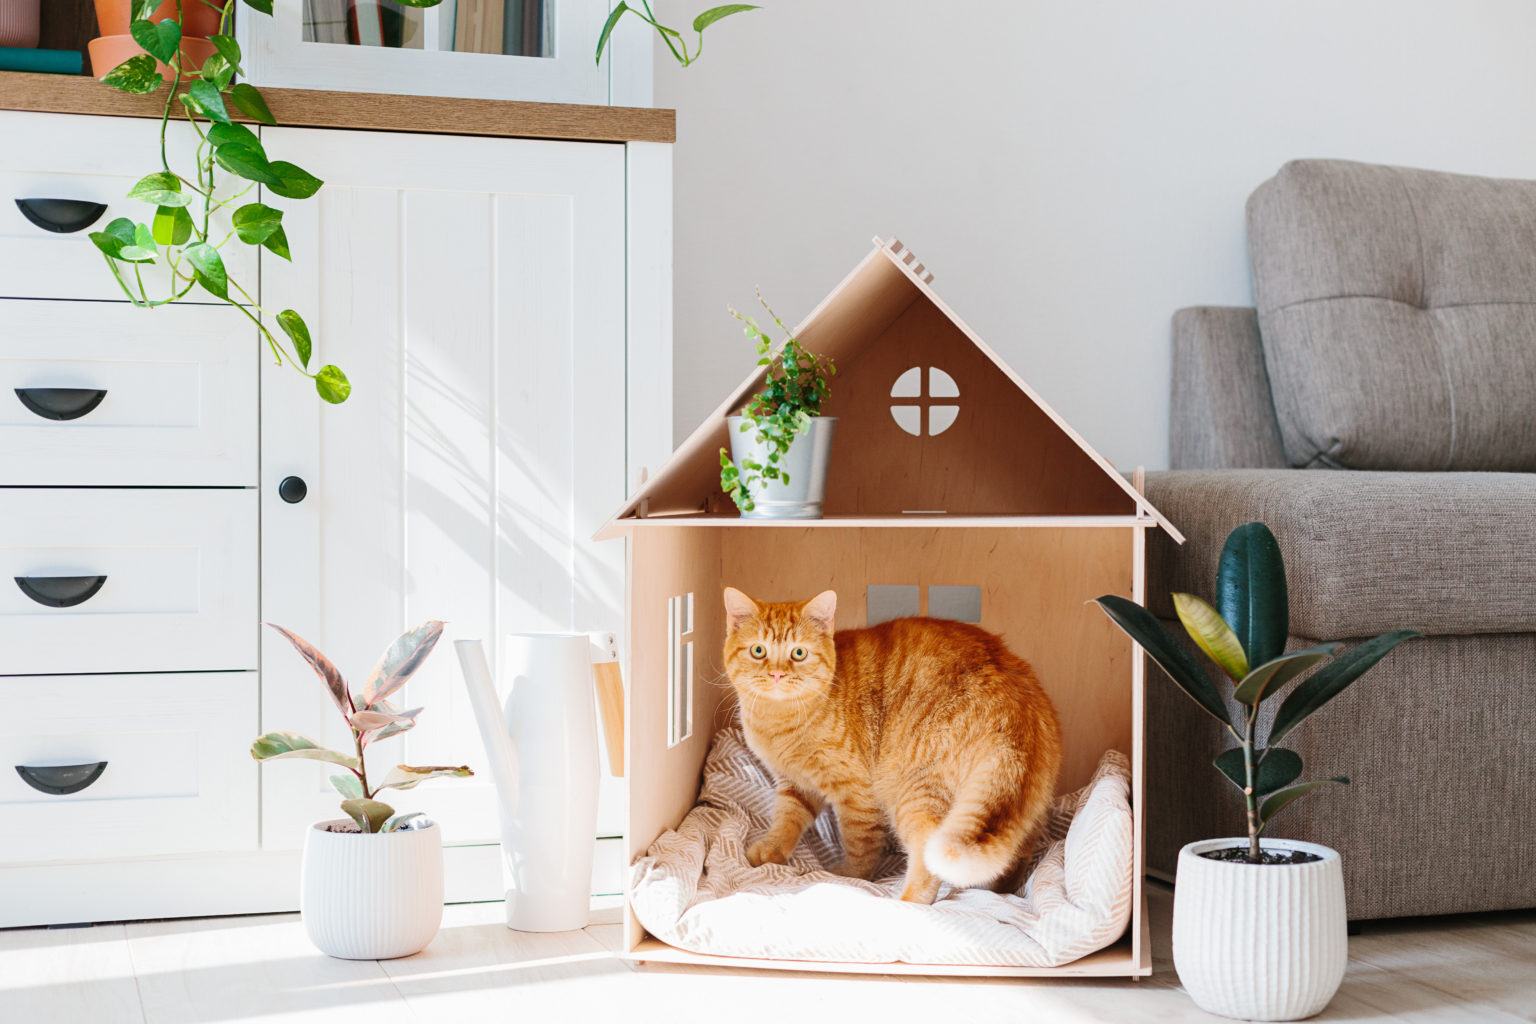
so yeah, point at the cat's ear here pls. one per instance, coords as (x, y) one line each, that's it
(822, 609)
(738, 608)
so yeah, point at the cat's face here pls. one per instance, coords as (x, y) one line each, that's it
(780, 651)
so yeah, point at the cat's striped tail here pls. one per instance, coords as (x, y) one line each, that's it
(984, 834)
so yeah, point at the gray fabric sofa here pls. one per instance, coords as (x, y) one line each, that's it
(1378, 411)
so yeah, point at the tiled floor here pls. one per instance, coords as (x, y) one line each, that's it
(1478, 969)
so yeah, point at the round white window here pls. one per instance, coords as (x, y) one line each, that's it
(914, 404)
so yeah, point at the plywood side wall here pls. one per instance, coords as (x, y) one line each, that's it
(1034, 584)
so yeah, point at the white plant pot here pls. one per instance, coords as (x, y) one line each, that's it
(371, 897)
(806, 462)
(1260, 941)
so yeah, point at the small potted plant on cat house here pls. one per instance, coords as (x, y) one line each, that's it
(1259, 923)
(781, 445)
(372, 885)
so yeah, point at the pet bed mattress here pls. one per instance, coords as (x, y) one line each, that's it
(695, 890)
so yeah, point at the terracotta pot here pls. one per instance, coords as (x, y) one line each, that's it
(107, 52)
(19, 23)
(197, 18)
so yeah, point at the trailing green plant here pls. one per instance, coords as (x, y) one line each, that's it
(371, 717)
(1244, 634)
(671, 36)
(180, 232)
(793, 390)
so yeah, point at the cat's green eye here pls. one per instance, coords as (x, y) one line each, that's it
(759, 652)
(799, 654)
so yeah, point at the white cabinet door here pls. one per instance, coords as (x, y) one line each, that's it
(473, 291)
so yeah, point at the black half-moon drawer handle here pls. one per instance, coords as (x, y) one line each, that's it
(61, 403)
(60, 780)
(60, 591)
(63, 216)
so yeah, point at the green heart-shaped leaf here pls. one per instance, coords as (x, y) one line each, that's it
(209, 267)
(248, 99)
(161, 188)
(234, 134)
(117, 239)
(297, 330)
(204, 98)
(293, 182)
(264, 6)
(247, 162)
(172, 225)
(135, 75)
(229, 50)
(160, 39)
(277, 244)
(714, 14)
(255, 222)
(216, 71)
(332, 384)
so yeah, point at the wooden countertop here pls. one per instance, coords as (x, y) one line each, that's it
(311, 108)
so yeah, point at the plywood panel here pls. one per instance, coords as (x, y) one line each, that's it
(1034, 585)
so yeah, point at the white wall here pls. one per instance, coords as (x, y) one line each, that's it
(1073, 171)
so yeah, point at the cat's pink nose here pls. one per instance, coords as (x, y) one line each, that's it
(776, 676)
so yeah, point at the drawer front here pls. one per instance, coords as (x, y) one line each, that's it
(98, 160)
(109, 580)
(101, 393)
(163, 760)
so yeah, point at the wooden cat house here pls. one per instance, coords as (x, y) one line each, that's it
(955, 491)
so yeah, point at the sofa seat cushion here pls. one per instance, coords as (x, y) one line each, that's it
(1398, 314)
(1365, 552)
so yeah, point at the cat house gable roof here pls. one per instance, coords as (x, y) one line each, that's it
(932, 423)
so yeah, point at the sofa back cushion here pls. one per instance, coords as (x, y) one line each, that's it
(1398, 315)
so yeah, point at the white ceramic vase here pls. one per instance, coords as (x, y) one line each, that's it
(543, 750)
(1260, 941)
(371, 897)
(806, 462)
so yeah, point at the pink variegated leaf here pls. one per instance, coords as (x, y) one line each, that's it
(334, 683)
(402, 721)
(401, 660)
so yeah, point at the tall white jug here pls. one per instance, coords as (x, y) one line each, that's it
(542, 742)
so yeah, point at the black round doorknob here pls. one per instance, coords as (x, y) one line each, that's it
(292, 490)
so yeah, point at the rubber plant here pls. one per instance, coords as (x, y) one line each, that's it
(796, 384)
(671, 36)
(371, 717)
(1245, 634)
(178, 230)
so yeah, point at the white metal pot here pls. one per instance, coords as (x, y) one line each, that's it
(1260, 941)
(371, 897)
(806, 462)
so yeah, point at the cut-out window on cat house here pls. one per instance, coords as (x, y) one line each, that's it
(679, 669)
(914, 404)
(884, 602)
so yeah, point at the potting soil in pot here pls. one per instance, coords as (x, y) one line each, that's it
(695, 890)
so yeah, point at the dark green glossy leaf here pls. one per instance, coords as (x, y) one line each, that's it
(297, 330)
(1144, 628)
(209, 267)
(292, 182)
(277, 244)
(332, 384)
(160, 39)
(161, 188)
(204, 98)
(370, 815)
(419, 3)
(1251, 592)
(613, 19)
(255, 222)
(248, 99)
(229, 50)
(142, 9)
(216, 71)
(1272, 675)
(264, 6)
(116, 237)
(1278, 767)
(245, 161)
(136, 75)
(1330, 680)
(172, 225)
(234, 134)
(714, 14)
(1279, 801)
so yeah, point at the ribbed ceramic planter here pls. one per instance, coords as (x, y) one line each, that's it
(1260, 941)
(371, 897)
(806, 462)
(20, 24)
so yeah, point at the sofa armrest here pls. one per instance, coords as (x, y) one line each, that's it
(1222, 414)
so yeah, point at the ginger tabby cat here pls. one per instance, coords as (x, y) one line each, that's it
(931, 726)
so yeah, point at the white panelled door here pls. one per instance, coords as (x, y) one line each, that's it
(473, 291)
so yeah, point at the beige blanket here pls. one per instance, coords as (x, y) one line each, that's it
(695, 890)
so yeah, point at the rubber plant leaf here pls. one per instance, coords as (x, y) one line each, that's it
(1330, 680)
(334, 683)
(349, 786)
(1176, 660)
(1272, 675)
(1213, 635)
(1277, 767)
(400, 661)
(370, 815)
(276, 746)
(1279, 801)
(403, 776)
(1251, 593)
(399, 821)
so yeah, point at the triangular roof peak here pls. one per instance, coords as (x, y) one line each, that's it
(931, 420)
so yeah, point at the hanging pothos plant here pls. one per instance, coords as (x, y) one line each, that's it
(180, 233)
(671, 36)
